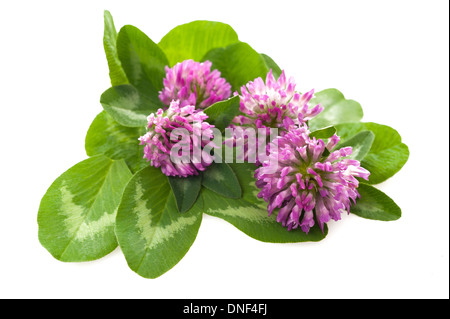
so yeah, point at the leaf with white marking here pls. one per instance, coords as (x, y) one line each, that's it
(106, 136)
(249, 213)
(77, 213)
(127, 105)
(151, 232)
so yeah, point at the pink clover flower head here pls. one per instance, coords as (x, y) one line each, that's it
(193, 83)
(311, 182)
(176, 138)
(275, 104)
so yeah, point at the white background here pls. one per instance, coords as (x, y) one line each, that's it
(391, 56)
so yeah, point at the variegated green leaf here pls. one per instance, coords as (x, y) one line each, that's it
(106, 136)
(77, 213)
(127, 105)
(151, 232)
(249, 214)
